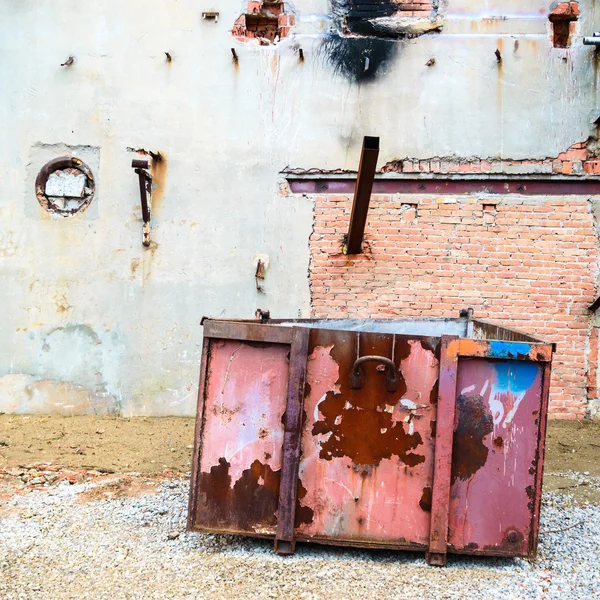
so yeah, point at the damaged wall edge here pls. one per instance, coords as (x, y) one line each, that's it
(579, 160)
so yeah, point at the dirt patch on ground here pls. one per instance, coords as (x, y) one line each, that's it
(145, 445)
(573, 446)
(151, 445)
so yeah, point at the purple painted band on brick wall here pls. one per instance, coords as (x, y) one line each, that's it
(548, 187)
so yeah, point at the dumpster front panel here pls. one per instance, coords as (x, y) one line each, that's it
(241, 437)
(367, 452)
(378, 411)
(495, 457)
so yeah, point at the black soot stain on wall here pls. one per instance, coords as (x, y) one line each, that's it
(359, 59)
(364, 57)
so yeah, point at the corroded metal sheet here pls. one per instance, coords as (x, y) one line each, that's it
(241, 437)
(367, 454)
(405, 441)
(494, 461)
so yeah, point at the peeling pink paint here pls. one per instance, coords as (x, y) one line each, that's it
(498, 499)
(245, 400)
(366, 502)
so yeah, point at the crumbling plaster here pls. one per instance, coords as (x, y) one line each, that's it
(227, 128)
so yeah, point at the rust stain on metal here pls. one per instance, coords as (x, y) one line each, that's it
(530, 491)
(359, 422)
(366, 437)
(498, 442)
(425, 502)
(225, 413)
(304, 514)
(250, 503)
(474, 422)
(229, 505)
(433, 396)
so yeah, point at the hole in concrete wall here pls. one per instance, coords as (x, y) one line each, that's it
(489, 214)
(560, 33)
(388, 18)
(562, 22)
(267, 22)
(65, 186)
(364, 41)
(408, 212)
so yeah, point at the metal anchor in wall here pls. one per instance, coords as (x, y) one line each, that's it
(140, 166)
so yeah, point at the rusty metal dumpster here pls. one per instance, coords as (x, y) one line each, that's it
(404, 434)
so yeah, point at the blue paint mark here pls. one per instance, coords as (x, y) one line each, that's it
(515, 375)
(508, 349)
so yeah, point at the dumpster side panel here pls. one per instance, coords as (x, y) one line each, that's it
(367, 454)
(241, 437)
(494, 456)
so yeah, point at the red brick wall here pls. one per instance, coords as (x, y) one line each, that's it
(577, 160)
(370, 9)
(525, 263)
(415, 8)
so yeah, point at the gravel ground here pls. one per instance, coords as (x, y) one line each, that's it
(121, 536)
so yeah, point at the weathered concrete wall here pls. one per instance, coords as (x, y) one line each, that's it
(94, 322)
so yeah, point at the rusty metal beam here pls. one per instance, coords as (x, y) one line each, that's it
(362, 194)
(198, 433)
(145, 180)
(539, 466)
(446, 406)
(249, 332)
(288, 487)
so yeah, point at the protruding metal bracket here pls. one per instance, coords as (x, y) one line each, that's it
(362, 195)
(145, 180)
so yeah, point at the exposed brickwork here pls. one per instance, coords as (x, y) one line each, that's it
(562, 19)
(265, 22)
(567, 11)
(528, 264)
(577, 160)
(416, 8)
(369, 9)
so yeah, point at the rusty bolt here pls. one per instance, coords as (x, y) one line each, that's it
(512, 536)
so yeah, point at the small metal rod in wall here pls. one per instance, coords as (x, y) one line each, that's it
(362, 195)
(145, 179)
(592, 41)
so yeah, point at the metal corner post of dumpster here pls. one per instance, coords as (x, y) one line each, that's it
(401, 434)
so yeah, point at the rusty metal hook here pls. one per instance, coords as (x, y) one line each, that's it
(357, 377)
(145, 179)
